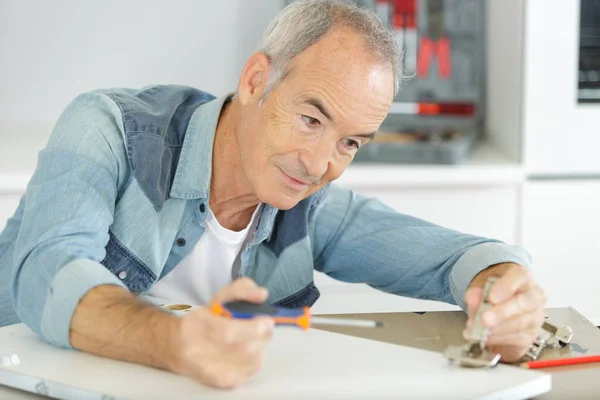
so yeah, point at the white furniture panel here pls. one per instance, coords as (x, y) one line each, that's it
(561, 229)
(298, 365)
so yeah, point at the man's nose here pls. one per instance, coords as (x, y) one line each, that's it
(317, 158)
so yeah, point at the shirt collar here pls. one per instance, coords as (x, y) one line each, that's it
(194, 169)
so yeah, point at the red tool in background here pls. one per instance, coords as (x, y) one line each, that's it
(455, 109)
(404, 24)
(434, 42)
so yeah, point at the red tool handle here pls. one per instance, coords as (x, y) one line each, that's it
(444, 57)
(424, 56)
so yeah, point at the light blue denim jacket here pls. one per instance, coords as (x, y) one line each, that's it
(120, 195)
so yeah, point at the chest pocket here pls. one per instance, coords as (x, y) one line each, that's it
(127, 267)
(305, 297)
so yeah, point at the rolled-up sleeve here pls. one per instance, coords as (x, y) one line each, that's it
(479, 258)
(360, 239)
(68, 208)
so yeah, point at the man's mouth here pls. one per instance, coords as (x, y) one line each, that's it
(292, 182)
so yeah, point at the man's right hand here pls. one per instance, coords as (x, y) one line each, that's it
(221, 352)
(111, 322)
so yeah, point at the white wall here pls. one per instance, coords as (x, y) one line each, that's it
(504, 77)
(50, 51)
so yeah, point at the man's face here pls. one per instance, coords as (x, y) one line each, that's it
(308, 129)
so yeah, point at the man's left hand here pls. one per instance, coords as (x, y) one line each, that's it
(517, 311)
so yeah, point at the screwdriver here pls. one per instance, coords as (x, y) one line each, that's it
(299, 317)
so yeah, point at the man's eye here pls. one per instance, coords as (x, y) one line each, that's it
(351, 144)
(311, 122)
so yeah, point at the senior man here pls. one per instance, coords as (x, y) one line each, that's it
(172, 192)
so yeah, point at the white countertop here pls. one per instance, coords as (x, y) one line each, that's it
(485, 166)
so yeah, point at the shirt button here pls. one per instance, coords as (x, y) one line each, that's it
(202, 208)
(181, 242)
(122, 275)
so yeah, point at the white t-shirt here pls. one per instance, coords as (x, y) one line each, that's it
(206, 268)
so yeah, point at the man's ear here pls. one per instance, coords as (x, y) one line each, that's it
(253, 79)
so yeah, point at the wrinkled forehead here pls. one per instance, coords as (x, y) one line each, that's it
(357, 96)
(340, 70)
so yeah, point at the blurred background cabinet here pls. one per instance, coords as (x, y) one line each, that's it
(561, 135)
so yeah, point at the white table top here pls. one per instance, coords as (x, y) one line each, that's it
(298, 365)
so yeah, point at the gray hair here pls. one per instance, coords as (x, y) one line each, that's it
(302, 23)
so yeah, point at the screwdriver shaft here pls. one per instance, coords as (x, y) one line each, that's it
(345, 322)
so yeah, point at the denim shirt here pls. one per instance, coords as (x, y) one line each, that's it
(121, 192)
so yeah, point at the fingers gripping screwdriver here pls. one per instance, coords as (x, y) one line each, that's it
(299, 317)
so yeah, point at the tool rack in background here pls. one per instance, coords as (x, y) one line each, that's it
(440, 109)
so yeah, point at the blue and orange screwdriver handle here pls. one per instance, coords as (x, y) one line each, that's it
(299, 317)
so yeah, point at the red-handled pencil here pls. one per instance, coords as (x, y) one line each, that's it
(559, 362)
